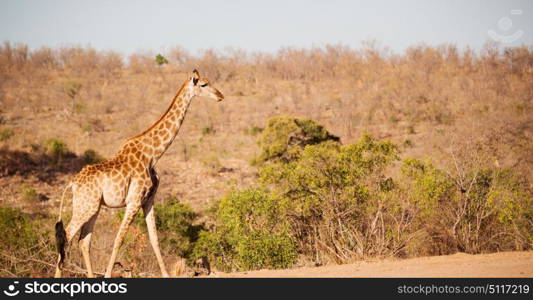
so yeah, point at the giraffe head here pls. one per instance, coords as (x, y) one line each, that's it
(200, 86)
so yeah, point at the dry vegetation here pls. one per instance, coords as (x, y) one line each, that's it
(458, 110)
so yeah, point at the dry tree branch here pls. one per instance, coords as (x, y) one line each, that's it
(14, 258)
(8, 272)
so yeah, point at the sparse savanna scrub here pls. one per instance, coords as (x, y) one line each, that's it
(331, 202)
(26, 246)
(316, 156)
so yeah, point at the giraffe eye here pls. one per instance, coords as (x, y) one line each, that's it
(203, 85)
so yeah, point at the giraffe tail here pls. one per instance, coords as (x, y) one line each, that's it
(61, 241)
(61, 234)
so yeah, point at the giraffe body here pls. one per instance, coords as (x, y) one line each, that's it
(127, 180)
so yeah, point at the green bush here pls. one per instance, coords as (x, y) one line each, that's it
(56, 149)
(284, 137)
(430, 186)
(90, 157)
(177, 219)
(25, 245)
(16, 230)
(498, 212)
(175, 224)
(335, 193)
(251, 232)
(160, 60)
(211, 245)
(261, 249)
(488, 209)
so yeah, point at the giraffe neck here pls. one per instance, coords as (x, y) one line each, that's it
(156, 139)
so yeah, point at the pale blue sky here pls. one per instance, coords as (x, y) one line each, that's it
(158, 25)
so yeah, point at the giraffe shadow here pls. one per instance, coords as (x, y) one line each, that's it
(44, 167)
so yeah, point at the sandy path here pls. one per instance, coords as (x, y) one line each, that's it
(503, 264)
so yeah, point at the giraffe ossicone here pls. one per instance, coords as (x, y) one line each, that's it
(127, 180)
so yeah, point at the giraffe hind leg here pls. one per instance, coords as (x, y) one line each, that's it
(129, 213)
(81, 214)
(85, 243)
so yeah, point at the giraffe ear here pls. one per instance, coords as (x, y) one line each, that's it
(195, 76)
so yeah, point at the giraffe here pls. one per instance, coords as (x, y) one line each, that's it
(127, 180)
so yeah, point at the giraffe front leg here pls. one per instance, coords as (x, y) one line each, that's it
(149, 214)
(152, 234)
(131, 209)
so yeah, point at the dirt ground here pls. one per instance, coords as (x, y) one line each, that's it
(503, 264)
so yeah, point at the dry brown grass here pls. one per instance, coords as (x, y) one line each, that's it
(439, 103)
